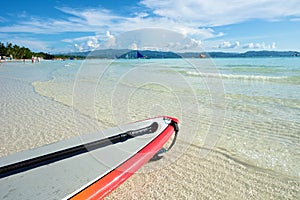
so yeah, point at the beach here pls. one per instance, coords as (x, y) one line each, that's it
(239, 119)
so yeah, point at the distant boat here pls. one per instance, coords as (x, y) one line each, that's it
(134, 54)
(139, 55)
(202, 56)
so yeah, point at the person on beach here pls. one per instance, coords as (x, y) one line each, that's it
(32, 59)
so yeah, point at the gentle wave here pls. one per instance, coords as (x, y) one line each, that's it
(234, 76)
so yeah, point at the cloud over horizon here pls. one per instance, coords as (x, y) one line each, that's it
(198, 19)
(229, 45)
(259, 46)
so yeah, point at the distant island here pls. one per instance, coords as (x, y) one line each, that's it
(248, 54)
(10, 51)
(147, 54)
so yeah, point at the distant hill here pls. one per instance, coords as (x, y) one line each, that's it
(148, 54)
(11, 51)
(105, 53)
(270, 54)
(133, 54)
(125, 54)
(248, 54)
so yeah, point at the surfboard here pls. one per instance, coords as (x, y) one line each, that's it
(84, 167)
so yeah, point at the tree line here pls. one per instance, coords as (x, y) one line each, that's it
(17, 52)
(14, 51)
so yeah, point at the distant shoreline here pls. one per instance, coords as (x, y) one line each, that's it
(148, 54)
(14, 52)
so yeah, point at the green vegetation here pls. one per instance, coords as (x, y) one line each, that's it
(16, 52)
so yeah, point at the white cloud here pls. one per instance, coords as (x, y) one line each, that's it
(133, 46)
(144, 39)
(273, 45)
(90, 43)
(260, 46)
(34, 44)
(110, 41)
(229, 45)
(91, 17)
(100, 20)
(93, 44)
(252, 45)
(222, 12)
(188, 17)
(79, 47)
(85, 43)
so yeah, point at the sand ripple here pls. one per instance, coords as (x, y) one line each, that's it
(216, 176)
(29, 120)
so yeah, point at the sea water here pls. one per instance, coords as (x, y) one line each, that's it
(246, 108)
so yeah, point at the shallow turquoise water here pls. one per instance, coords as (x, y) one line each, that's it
(254, 102)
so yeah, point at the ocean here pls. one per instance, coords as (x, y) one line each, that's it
(239, 119)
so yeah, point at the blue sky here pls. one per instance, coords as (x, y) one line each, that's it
(217, 25)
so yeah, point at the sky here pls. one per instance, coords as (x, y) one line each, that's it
(60, 26)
